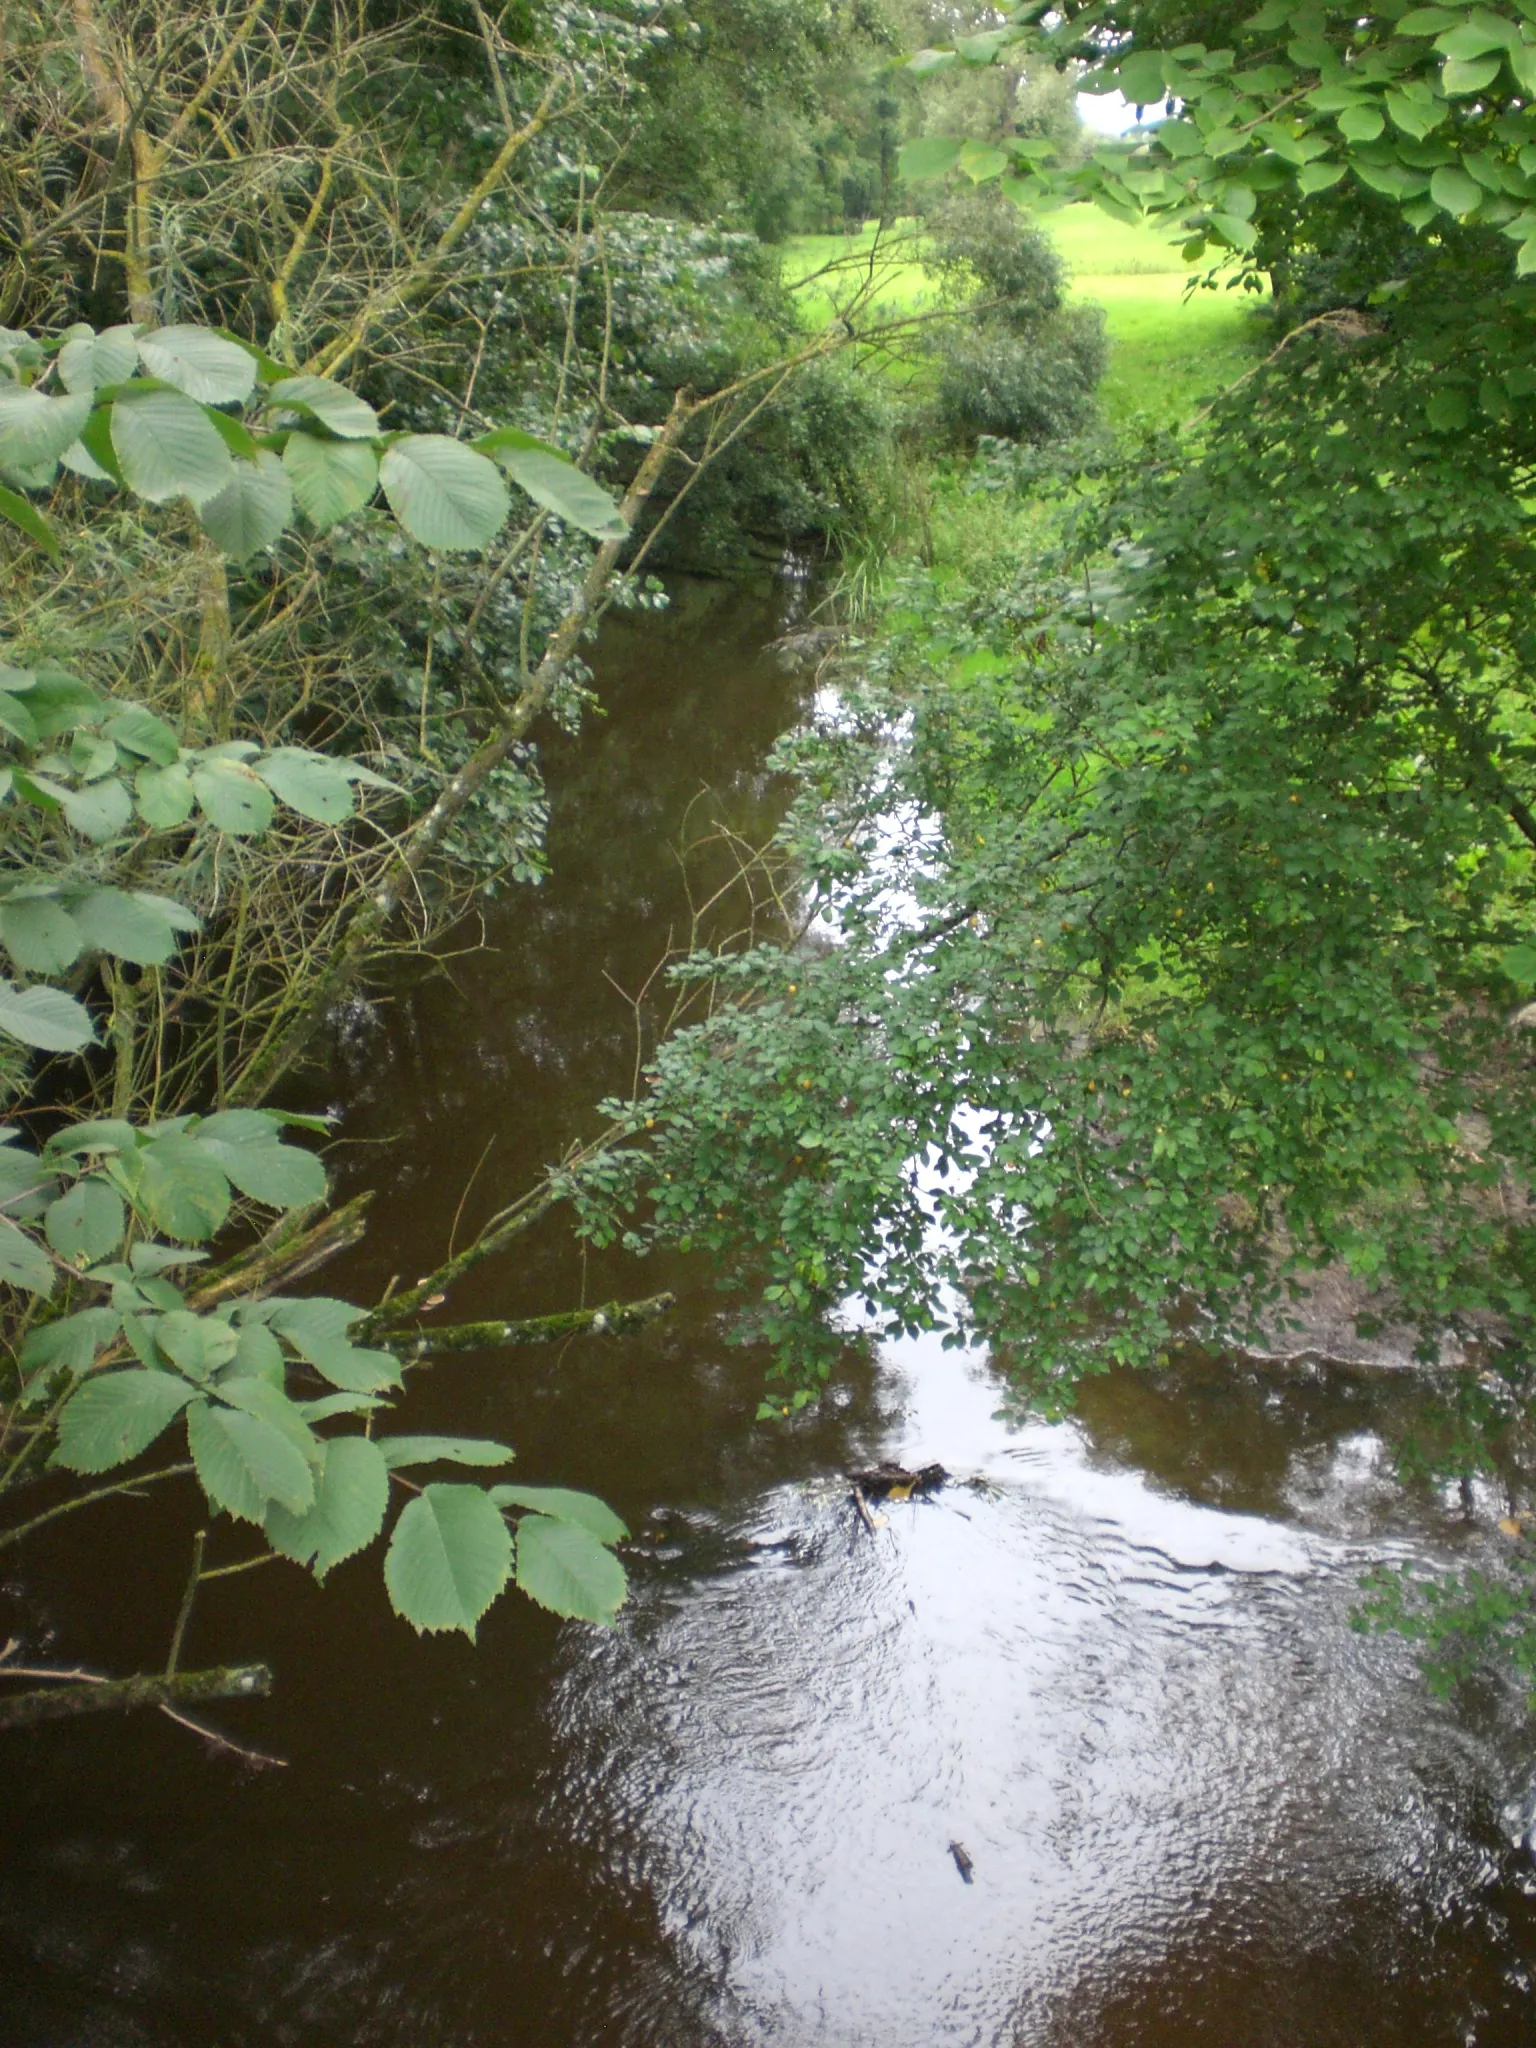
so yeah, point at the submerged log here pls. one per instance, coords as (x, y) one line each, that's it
(614, 1318)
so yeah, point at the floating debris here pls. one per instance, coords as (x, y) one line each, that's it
(963, 1863)
(888, 1481)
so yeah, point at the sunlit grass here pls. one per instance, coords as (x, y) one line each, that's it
(1171, 348)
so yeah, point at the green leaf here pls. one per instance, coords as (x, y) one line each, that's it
(1460, 79)
(181, 1188)
(450, 1555)
(94, 1134)
(1317, 177)
(255, 1395)
(165, 796)
(932, 156)
(39, 934)
(445, 495)
(196, 1345)
(400, 1451)
(15, 508)
(161, 1258)
(566, 1569)
(1475, 38)
(132, 925)
(280, 1175)
(17, 719)
(1454, 192)
(259, 1356)
(244, 1463)
(200, 363)
(26, 1185)
(312, 784)
(46, 1018)
(1519, 963)
(351, 1496)
(1141, 77)
(35, 429)
(1449, 410)
(101, 810)
(141, 732)
(23, 1262)
(87, 1225)
(90, 360)
(926, 61)
(981, 162)
(253, 508)
(1362, 124)
(316, 1328)
(550, 480)
(69, 1344)
(1416, 117)
(167, 448)
(981, 49)
(565, 1505)
(232, 798)
(333, 405)
(331, 479)
(331, 1405)
(115, 1416)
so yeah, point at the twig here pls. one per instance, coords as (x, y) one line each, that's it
(188, 1597)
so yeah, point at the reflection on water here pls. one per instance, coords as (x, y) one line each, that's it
(1113, 1659)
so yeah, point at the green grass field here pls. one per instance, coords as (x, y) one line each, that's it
(1168, 350)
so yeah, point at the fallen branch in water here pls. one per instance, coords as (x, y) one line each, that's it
(613, 1319)
(84, 1692)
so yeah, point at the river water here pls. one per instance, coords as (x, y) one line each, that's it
(1113, 1661)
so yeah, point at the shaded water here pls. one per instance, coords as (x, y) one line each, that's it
(1115, 1663)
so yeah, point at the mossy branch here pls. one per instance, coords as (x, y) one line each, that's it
(612, 1319)
(83, 1694)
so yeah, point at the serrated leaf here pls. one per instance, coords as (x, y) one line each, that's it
(280, 1175)
(39, 934)
(443, 493)
(94, 1134)
(181, 1188)
(167, 448)
(311, 784)
(565, 1505)
(331, 479)
(253, 508)
(115, 1416)
(400, 1451)
(196, 1345)
(165, 796)
(36, 429)
(87, 1224)
(69, 1344)
(26, 1185)
(553, 482)
(101, 810)
(23, 1262)
(200, 363)
(46, 1018)
(450, 1555)
(316, 1327)
(244, 1463)
(328, 1406)
(89, 361)
(233, 799)
(162, 1258)
(253, 1394)
(351, 1497)
(132, 925)
(336, 408)
(564, 1568)
(258, 1356)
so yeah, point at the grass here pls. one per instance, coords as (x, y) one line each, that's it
(1168, 351)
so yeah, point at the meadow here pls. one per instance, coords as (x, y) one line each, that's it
(1172, 341)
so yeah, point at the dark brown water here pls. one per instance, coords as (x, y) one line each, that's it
(1116, 1666)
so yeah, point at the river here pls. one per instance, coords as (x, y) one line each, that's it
(1113, 1661)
